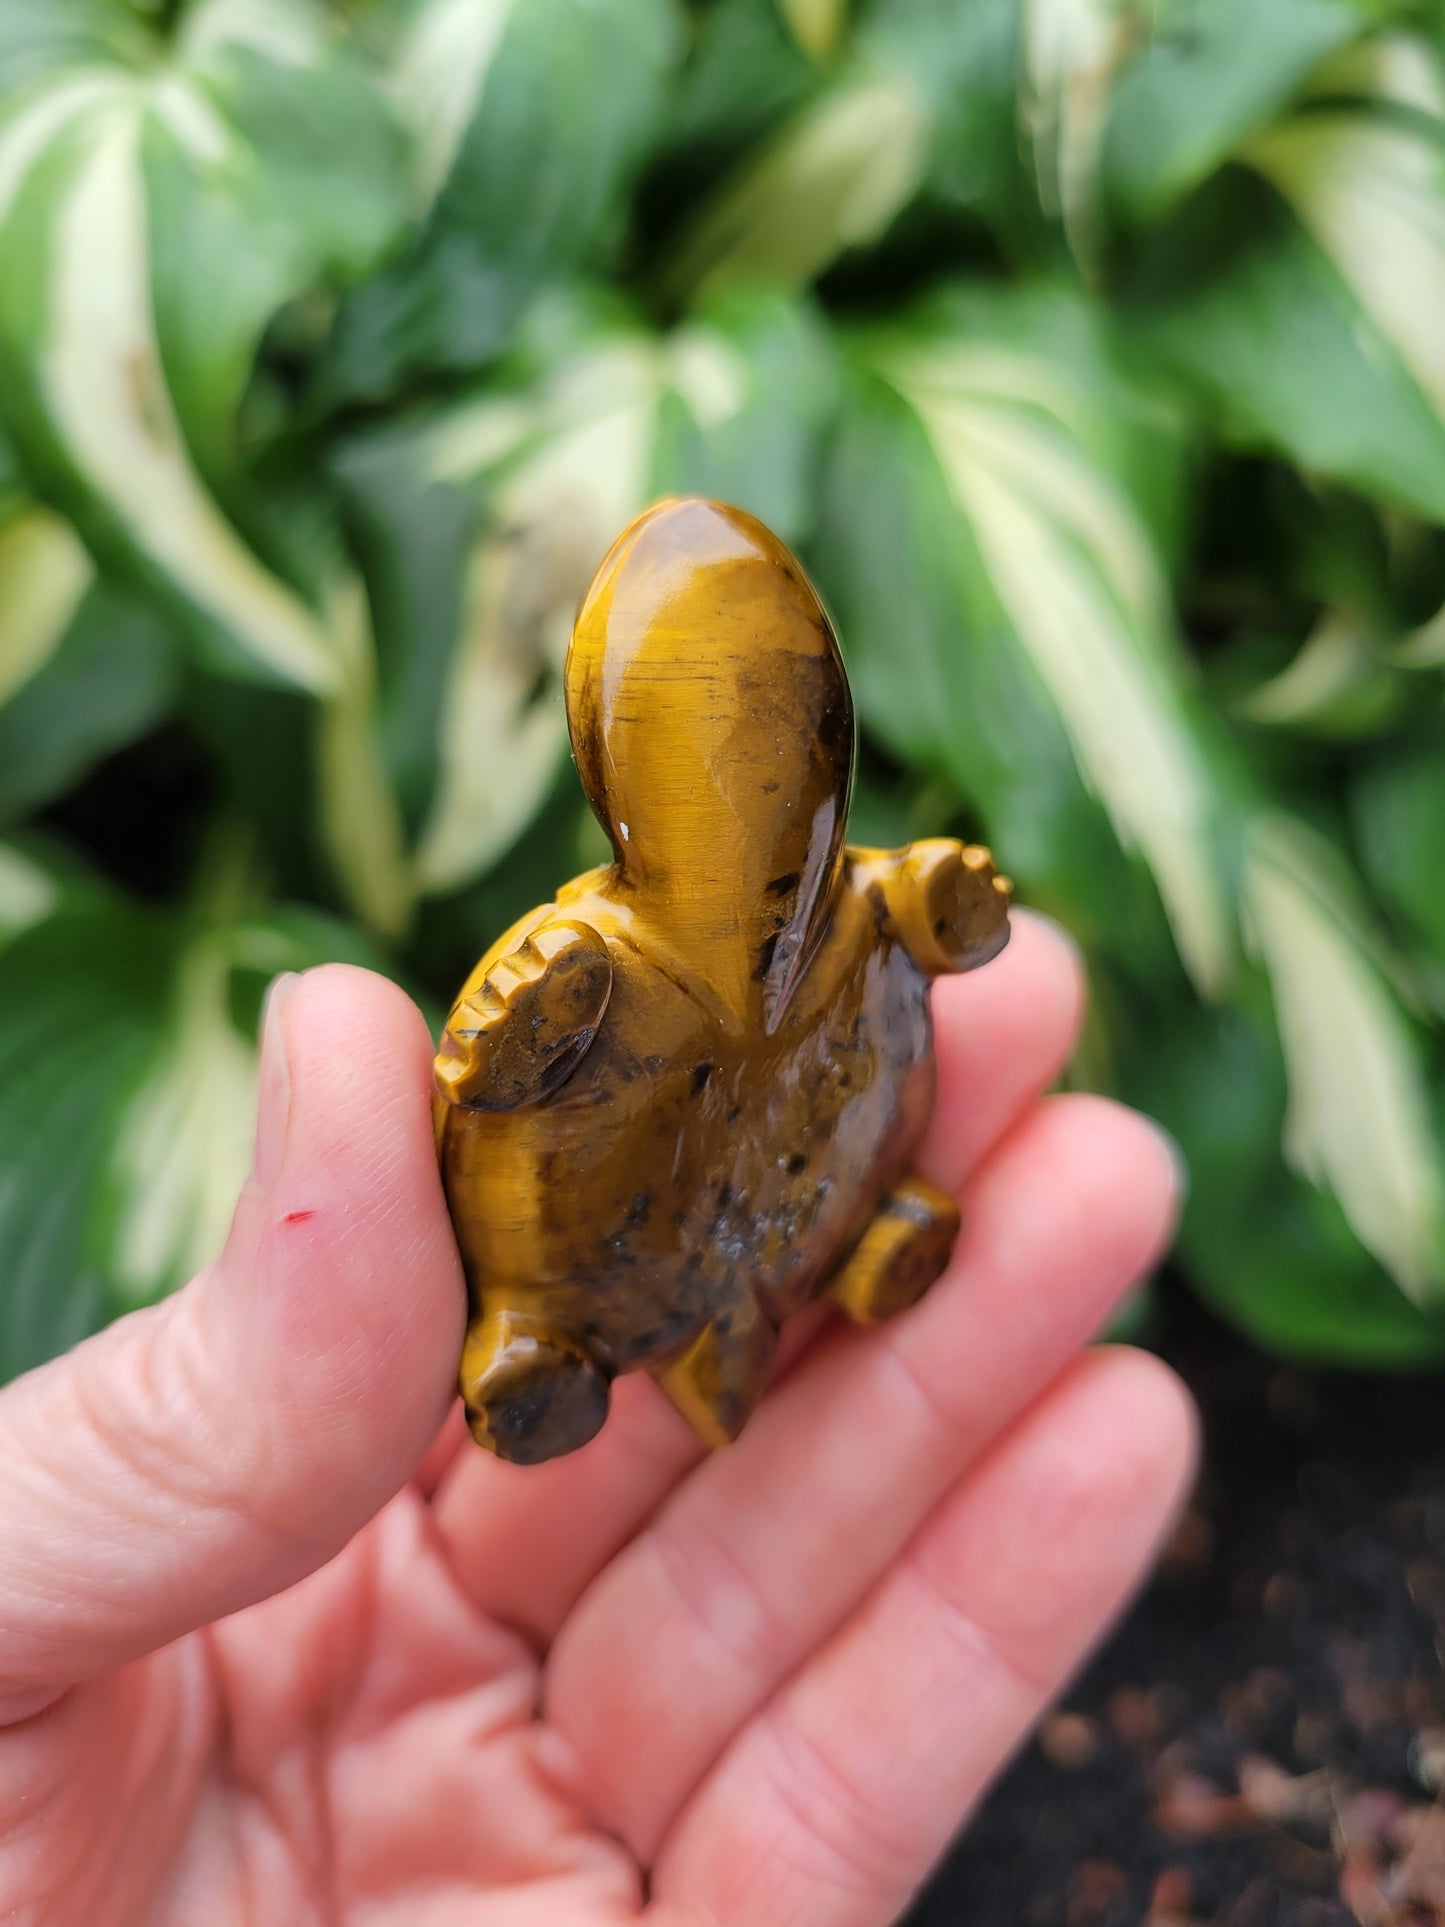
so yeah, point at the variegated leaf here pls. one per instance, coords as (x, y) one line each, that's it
(440, 72)
(183, 1142)
(1372, 193)
(729, 405)
(1077, 576)
(44, 572)
(360, 822)
(1298, 292)
(85, 344)
(832, 180)
(123, 1143)
(1072, 49)
(1359, 1114)
(28, 892)
(817, 25)
(552, 515)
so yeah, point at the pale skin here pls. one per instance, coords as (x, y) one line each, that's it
(279, 1645)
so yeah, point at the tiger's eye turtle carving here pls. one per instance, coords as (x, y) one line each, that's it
(680, 1101)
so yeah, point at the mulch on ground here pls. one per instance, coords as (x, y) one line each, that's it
(1262, 1742)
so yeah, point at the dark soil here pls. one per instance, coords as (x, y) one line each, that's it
(1262, 1742)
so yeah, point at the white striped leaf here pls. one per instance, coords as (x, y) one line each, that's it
(1077, 576)
(28, 892)
(817, 25)
(729, 405)
(1371, 191)
(834, 179)
(1072, 49)
(360, 822)
(183, 1141)
(1207, 75)
(79, 319)
(441, 69)
(151, 225)
(123, 1143)
(528, 124)
(1336, 297)
(44, 572)
(1359, 1112)
(1340, 682)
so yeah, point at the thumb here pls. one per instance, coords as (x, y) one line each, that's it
(208, 1451)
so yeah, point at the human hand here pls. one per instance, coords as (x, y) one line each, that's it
(266, 1657)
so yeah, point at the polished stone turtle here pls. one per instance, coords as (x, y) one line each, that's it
(682, 1099)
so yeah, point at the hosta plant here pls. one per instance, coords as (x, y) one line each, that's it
(1091, 351)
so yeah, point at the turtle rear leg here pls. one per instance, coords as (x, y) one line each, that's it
(898, 1257)
(531, 1392)
(718, 1380)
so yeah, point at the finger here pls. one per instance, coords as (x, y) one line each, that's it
(1003, 1034)
(525, 1540)
(769, 1546)
(209, 1451)
(441, 1452)
(526, 1544)
(832, 1805)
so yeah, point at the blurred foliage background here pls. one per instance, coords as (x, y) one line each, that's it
(1092, 353)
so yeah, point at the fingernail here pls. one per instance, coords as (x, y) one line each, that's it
(273, 1100)
(1175, 1153)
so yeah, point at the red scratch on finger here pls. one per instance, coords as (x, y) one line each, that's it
(298, 1217)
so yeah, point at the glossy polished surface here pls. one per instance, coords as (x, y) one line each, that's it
(681, 1100)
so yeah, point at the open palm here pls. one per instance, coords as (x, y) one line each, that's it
(279, 1645)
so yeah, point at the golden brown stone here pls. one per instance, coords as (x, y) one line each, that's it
(681, 1100)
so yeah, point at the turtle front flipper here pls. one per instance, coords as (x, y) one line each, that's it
(943, 901)
(521, 1033)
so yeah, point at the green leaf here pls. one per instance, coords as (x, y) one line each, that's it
(1066, 561)
(1424, 648)
(1270, 1251)
(150, 227)
(530, 122)
(113, 675)
(743, 75)
(441, 69)
(14, 497)
(1071, 53)
(274, 172)
(1372, 194)
(44, 572)
(560, 469)
(151, 224)
(1211, 73)
(1359, 1110)
(1399, 815)
(521, 491)
(1338, 685)
(359, 819)
(411, 534)
(966, 64)
(816, 25)
(834, 179)
(1245, 305)
(39, 36)
(87, 388)
(938, 676)
(28, 892)
(750, 385)
(123, 1143)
